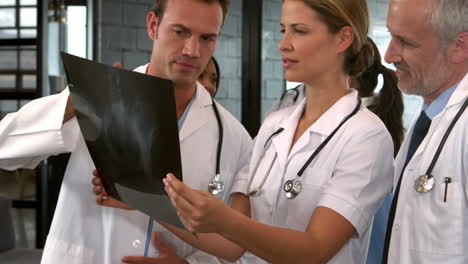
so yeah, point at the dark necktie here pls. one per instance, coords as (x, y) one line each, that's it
(419, 132)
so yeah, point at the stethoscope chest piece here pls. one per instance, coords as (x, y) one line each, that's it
(424, 183)
(292, 188)
(216, 185)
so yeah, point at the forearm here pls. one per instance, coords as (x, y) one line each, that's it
(275, 245)
(36, 132)
(211, 243)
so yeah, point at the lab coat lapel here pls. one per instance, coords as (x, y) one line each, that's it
(403, 152)
(459, 95)
(457, 98)
(199, 113)
(282, 143)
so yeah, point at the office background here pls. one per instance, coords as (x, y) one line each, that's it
(32, 32)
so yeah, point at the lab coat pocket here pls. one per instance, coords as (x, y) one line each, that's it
(441, 220)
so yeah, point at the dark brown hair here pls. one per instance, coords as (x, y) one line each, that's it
(159, 7)
(389, 103)
(218, 72)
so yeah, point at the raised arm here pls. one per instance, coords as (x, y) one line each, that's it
(37, 131)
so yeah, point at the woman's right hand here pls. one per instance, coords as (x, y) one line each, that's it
(102, 198)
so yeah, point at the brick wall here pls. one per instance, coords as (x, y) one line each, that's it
(273, 84)
(229, 55)
(124, 36)
(124, 39)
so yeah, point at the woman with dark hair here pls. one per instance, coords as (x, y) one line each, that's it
(388, 103)
(210, 77)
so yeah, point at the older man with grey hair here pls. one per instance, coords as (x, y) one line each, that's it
(429, 213)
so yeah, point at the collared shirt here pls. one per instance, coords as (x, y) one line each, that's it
(180, 122)
(350, 176)
(439, 103)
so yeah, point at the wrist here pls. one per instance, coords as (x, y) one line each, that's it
(230, 222)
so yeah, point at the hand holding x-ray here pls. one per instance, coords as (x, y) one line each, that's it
(102, 198)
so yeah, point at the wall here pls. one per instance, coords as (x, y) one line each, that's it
(124, 39)
(273, 84)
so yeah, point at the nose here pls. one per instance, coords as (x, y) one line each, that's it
(393, 53)
(192, 47)
(284, 44)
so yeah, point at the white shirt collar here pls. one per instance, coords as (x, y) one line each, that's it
(330, 119)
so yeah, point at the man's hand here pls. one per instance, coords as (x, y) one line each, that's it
(167, 254)
(102, 198)
(69, 111)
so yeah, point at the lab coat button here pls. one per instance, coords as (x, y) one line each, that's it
(136, 243)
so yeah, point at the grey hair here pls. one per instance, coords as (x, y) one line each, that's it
(449, 18)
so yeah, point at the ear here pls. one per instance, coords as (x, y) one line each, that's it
(152, 25)
(344, 38)
(458, 49)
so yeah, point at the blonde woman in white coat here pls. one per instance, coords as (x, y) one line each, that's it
(324, 43)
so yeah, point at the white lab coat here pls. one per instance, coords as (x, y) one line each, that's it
(351, 175)
(426, 229)
(84, 232)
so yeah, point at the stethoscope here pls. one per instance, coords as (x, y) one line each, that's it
(216, 184)
(426, 182)
(290, 92)
(292, 188)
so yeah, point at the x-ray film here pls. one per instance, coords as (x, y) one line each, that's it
(129, 123)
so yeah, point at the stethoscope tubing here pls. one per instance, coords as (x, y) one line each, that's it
(306, 164)
(220, 137)
(444, 138)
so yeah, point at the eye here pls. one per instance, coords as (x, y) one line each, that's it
(300, 31)
(180, 33)
(405, 42)
(208, 38)
(282, 31)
